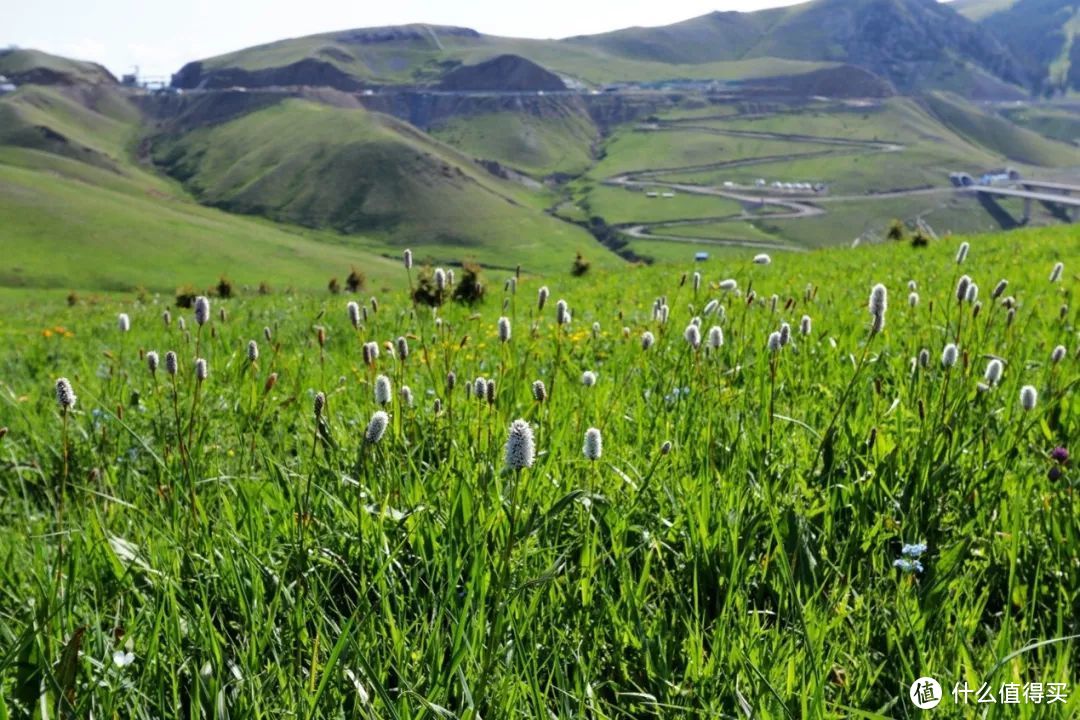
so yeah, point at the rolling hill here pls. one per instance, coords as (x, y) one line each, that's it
(83, 204)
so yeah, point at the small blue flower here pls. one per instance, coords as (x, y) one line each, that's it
(908, 566)
(913, 551)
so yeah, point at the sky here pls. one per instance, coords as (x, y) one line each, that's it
(159, 37)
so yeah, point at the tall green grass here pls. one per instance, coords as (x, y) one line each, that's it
(223, 551)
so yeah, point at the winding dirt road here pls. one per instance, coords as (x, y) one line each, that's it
(796, 204)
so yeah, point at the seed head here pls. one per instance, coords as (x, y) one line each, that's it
(993, 372)
(595, 330)
(383, 391)
(152, 362)
(267, 334)
(376, 427)
(697, 281)
(490, 392)
(374, 305)
(710, 307)
(594, 444)
(319, 404)
(166, 317)
(774, 342)
(407, 257)
(402, 348)
(588, 378)
(65, 396)
(972, 293)
(504, 329)
(1028, 397)
(171, 364)
(562, 313)
(924, 358)
(202, 370)
(999, 289)
(221, 314)
(665, 448)
(539, 391)
(451, 381)
(541, 297)
(353, 309)
(271, 381)
(962, 252)
(520, 446)
(181, 323)
(913, 299)
(480, 388)
(647, 340)
(252, 351)
(1058, 354)
(878, 300)
(406, 396)
(1055, 274)
(728, 285)
(449, 277)
(511, 285)
(805, 325)
(912, 285)
(962, 287)
(692, 334)
(716, 337)
(440, 279)
(762, 259)
(948, 355)
(123, 322)
(202, 309)
(785, 334)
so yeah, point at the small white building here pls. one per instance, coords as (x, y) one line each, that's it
(6, 85)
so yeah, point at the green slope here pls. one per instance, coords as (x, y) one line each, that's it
(357, 171)
(536, 145)
(63, 232)
(999, 135)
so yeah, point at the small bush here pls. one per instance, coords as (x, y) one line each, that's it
(334, 286)
(72, 299)
(224, 287)
(356, 280)
(185, 296)
(469, 289)
(896, 232)
(426, 292)
(919, 239)
(264, 288)
(580, 266)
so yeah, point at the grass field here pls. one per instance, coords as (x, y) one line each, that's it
(737, 543)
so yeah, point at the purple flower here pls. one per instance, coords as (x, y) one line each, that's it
(1060, 455)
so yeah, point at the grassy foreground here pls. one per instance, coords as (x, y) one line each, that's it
(171, 547)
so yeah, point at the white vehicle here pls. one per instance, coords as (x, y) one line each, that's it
(667, 195)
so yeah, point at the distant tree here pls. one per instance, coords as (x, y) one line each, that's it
(469, 289)
(580, 266)
(356, 280)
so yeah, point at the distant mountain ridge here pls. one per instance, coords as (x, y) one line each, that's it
(915, 45)
(1041, 34)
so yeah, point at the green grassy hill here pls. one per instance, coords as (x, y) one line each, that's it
(533, 144)
(362, 172)
(999, 135)
(26, 65)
